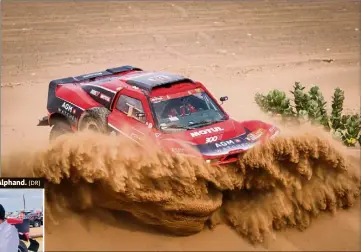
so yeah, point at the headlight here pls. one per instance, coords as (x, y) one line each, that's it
(212, 161)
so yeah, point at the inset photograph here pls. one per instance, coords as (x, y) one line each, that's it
(21, 220)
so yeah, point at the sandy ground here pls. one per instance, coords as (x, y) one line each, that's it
(235, 48)
(35, 232)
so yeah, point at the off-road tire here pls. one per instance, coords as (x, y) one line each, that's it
(59, 128)
(36, 224)
(94, 119)
(22, 247)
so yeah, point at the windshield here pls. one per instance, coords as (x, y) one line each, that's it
(186, 110)
(27, 215)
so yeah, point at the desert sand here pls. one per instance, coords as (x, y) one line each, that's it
(235, 48)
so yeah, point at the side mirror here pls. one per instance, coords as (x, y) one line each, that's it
(223, 99)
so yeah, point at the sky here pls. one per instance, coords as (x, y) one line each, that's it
(12, 199)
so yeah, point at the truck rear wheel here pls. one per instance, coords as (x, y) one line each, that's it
(59, 128)
(94, 119)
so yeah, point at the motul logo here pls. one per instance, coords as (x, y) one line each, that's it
(206, 131)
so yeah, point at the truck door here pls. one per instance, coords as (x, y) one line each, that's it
(129, 116)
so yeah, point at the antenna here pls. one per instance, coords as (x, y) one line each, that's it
(24, 201)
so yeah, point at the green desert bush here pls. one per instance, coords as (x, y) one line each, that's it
(276, 102)
(311, 106)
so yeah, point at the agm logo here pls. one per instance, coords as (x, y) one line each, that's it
(67, 107)
(225, 143)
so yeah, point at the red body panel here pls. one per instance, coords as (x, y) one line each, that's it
(75, 95)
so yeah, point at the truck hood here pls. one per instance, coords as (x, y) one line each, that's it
(220, 138)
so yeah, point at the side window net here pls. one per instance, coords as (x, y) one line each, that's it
(131, 107)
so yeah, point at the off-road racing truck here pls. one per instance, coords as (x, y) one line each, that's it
(178, 113)
(35, 218)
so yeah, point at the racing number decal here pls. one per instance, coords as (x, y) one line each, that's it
(211, 139)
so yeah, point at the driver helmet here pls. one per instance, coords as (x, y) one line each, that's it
(185, 108)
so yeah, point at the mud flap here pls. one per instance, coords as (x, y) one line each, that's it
(44, 121)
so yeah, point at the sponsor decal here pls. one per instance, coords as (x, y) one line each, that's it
(67, 114)
(100, 95)
(255, 135)
(156, 99)
(214, 138)
(105, 97)
(94, 92)
(67, 107)
(211, 139)
(224, 143)
(206, 131)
